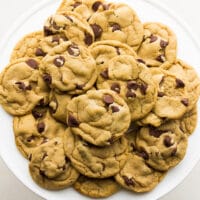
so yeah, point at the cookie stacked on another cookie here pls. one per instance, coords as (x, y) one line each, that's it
(100, 101)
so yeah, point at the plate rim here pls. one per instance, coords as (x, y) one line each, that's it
(38, 5)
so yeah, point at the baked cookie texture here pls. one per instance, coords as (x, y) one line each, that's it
(100, 100)
(50, 168)
(99, 117)
(96, 188)
(22, 87)
(94, 161)
(35, 129)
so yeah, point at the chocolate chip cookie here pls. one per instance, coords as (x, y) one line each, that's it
(94, 161)
(22, 87)
(132, 80)
(69, 68)
(34, 129)
(96, 188)
(159, 46)
(119, 23)
(100, 117)
(50, 168)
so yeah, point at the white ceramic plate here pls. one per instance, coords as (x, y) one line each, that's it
(188, 50)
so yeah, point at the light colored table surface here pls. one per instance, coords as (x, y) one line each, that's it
(11, 188)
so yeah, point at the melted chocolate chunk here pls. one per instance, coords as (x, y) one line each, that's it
(29, 87)
(36, 114)
(32, 63)
(117, 50)
(80, 87)
(168, 141)
(128, 181)
(55, 26)
(153, 38)
(21, 85)
(143, 154)
(156, 133)
(96, 5)
(108, 99)
(143, 88)
(161, 94)
(132, 85)
(161, 58)
(59, 61)
(104, 74)
(75, 5)
(114, 109)
(163, 44)
(47, 31)
(29, 139)
(115, 27)
(40, 127)
(140, 60)
(40, 52)
(88, 39)
(130, 94)
(179, 83)
(185, 102)
(115, 87)
(72, 121)
(56, 39)
(97, 30)
(173, 153)
(73, 50)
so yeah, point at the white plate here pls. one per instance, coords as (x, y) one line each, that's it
(188, 49)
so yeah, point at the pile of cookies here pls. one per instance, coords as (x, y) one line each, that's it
(100, 101)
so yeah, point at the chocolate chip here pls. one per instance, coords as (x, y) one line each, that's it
(72, 121)
(168, 141)
(143, 154)
(143, 88)
(115, 87)
(75, 5)
(56, 142)
(36, 114)
(41, 102)
(104, 74)
(47, 31)
(133, 146)
(161, 58)
(73, 50)
(55, 39)
(156, 133)
(117, 50)
(108, 99)
(53, 105)
(29, 87)
(55, 26)
(161, 94)
(179, 83)
(44, 155)
(30, 157)
(21, 85)
(67, 159)
(40, 127)
(153, 38)
(96, 5)
(40, 52)
(140, 60)
(163, 44)
(59, 61)
(80, 87)
(32, 63)
(185, 102)
(29, 139)
(112, 140)
(114, 109)
(42, 173)
(128, 181)
(132, 85)
(88, 39)
(173, 153)
(115, 27)
(69, 18)
(130, 94)
(97, 30)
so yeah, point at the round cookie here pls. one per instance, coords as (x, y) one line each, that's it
(159, 46)
(72, 26)
(96, 188)
(58, 105)
(34, 129)
(137, 176)
(100, 117)
(86, 8)
(50, 168)
(162, 147)
(94, 161)
(132, 80)
(119, 23)
(188, 122)
(69, 68)
(187, 73)
(103, 51)
(22, 87)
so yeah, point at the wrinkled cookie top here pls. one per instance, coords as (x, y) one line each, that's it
(119, 23)
(22, 87)
(99, 117)
(72, 26)
(132, 80)
(34, 129)
(50, 168)
(159, 46)
(94, 161)
(69, 67)
(162, 147)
